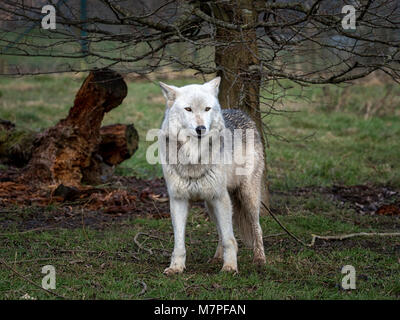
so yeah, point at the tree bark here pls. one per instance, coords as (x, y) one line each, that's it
(238, 62)
(63, 152)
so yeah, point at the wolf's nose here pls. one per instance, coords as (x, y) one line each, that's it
(200, 130)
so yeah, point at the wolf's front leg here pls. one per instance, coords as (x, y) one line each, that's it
(179, 211)
(222, 209)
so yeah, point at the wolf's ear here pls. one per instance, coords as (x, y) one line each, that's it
(213, 85)
(169, 93)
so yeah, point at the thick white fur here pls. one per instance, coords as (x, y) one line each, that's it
(209, 182)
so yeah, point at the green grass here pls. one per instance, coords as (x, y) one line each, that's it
(109, 265)
(343, 147)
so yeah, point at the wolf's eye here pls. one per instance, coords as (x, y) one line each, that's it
(208, 109)
(188, 109)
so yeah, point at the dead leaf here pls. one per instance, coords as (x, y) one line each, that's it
(388, 210)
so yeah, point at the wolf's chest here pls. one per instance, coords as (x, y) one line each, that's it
(205, 186)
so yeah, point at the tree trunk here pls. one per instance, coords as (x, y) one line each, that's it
(63, 152)
(238, 61)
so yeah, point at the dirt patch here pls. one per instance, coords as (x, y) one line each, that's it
(379, 245)
(364, 199)
(24, 207)
(368, 199)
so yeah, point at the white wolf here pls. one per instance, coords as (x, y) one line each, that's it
(229, 196)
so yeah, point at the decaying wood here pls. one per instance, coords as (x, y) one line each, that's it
(62, 153)
(118, 142)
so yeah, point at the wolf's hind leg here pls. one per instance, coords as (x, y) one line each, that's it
(250, 202)
(222, 209)
(219, 252)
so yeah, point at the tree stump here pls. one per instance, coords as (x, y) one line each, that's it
(118, 143)
(63, 152)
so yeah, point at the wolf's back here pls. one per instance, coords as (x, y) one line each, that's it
(237, 119)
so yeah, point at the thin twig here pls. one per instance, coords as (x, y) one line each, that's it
(29, 280)
(37, 260)
(352, 235)
(284, 228)
(27, 231)
(338, 237)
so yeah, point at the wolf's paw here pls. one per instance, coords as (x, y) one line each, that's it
(173, 270)
(229, 268)
(259, 260)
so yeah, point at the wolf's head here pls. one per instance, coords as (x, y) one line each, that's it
(194, 108)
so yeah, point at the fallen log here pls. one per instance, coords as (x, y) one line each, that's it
(118, 142)
(76, 149)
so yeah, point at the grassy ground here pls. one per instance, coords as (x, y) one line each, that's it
(345, 147)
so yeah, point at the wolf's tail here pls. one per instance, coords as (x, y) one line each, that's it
(244, 223)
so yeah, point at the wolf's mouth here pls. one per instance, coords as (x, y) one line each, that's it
(201, 135)
(201, 131)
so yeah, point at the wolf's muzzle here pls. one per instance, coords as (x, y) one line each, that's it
(200, 130)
